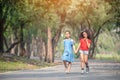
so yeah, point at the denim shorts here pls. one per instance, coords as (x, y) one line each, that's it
(84, 52)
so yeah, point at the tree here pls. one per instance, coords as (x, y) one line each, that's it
(6, 6)
(92, 16)
(51, 19)
(115, 10)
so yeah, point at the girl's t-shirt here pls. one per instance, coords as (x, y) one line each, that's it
(83, 44)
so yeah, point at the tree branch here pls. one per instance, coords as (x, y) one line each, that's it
(12, 46)
(57, 35)
(6, 27)
(100, 27)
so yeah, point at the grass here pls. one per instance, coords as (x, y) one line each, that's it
(13, 66)
(115, 57)
(20, 63)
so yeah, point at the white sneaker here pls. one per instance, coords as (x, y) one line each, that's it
(66, 70)
(82, 71)
(87, 70)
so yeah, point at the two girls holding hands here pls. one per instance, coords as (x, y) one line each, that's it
(83, 48)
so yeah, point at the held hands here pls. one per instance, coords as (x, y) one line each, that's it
(76, 51)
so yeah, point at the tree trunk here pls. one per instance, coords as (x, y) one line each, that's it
(92, 49)
(41, 49)
(49, 46)
(22, 49)
(12, 41)
(6, 44)
(55, 40)
(44, 51)
(18, 54)
(28, 49)
(1, 37)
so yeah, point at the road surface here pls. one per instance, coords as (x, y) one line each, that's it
(99, 70)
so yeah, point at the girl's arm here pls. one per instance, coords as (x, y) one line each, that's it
(78, 48)
(74, 48)
(88, 44)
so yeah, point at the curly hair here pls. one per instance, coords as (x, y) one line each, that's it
(88, 34)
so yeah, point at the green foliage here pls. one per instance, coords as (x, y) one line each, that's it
(114, 57)
(35, 16)
(108, 43)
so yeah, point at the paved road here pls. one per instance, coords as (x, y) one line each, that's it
(99, 70)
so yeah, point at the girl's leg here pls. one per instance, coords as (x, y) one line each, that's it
(82, 61)
(65, 64)
(69, 66)
(86, 62)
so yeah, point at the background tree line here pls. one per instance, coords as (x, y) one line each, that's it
(34, 27)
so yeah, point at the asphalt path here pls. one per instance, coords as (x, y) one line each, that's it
(99, 70)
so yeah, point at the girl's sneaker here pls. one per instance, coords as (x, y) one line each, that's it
(87, 69)
(82, 71)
